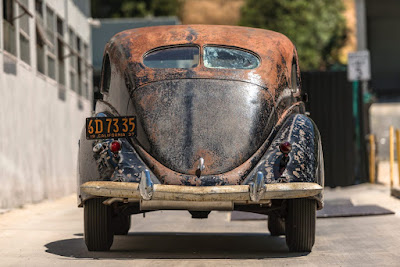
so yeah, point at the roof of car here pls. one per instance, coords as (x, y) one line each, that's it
(127, 48)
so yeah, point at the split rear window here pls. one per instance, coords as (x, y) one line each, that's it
(182, 57)
(229, 58)
(215, 57)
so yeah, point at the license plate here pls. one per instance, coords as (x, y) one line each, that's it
(110, 127)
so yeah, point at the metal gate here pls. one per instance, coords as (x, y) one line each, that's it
(331, 107)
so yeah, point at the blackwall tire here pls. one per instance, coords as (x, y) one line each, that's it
(276, 225)
(97, 225)
(300, 224)
(121, 224)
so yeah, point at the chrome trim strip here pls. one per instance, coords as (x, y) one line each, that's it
(201, 193)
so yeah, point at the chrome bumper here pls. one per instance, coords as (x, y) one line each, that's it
(196, 197)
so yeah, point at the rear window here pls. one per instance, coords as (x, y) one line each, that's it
(229, 58)
(173, 57)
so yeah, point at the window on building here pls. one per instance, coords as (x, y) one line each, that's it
(78, 62)
(51, 48)
(39, 7)
(9, 27)
(40, 37)
(60, 51)
(73, 59)
(85, 71)
(24, 32)
(79, 70)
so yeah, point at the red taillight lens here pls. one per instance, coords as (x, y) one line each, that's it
(285, 147)
(115, 146)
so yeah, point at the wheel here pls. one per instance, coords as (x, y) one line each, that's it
(300, 224)
(121, 224)
(276, 225)
(97, 225)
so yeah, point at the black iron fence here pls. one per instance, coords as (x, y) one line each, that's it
(331, 107)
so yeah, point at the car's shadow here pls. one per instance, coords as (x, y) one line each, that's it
(172, 245)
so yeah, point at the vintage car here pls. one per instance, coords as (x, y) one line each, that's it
(200, 118)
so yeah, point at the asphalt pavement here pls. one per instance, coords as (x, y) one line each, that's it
(51, 234)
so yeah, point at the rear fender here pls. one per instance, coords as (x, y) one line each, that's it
(305, 163)
(101, 165)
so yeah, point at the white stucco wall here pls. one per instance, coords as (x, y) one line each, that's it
(39, 132)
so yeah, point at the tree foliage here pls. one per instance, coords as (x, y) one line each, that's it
(134, 8)
(316, 27)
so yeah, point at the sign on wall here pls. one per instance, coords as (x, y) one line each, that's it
(359, 68)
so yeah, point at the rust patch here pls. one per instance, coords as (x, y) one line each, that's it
(233, 177)
(126, 50)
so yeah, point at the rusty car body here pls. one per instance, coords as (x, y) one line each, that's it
(219, 122)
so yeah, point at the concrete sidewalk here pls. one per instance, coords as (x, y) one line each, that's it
(51, 233)
(366, 194)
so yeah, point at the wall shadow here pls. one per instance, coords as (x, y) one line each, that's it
(179, 245)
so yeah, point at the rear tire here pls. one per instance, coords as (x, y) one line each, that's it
(121, 224)
(97, 225)
(300, 224)
(276, 225)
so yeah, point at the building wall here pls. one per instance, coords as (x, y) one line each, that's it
(40, 118)
(383, 42)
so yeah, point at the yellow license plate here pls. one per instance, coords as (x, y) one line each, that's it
(110, 127)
